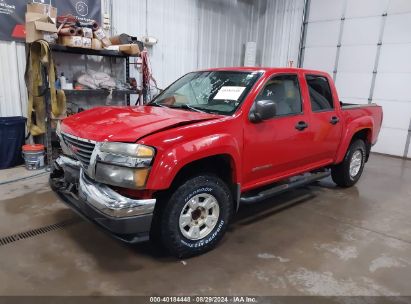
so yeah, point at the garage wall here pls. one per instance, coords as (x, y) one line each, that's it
(223, 30)
(192, 34)
(174, 23)
(365, 45)
(13, 92)
(225, 27)
(195, 34)
(13, 95)
(276, 27)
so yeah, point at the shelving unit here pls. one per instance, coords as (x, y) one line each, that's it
(50, 133)
(82, 51)
(102, 53)
(100, 91)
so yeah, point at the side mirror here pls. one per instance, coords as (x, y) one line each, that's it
(262, 110)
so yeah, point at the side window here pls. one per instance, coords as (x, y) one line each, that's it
(285, 92)
(320, 93)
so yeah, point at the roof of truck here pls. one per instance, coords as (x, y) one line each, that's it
(266, 69)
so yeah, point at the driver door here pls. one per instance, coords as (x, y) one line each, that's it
(277, 147)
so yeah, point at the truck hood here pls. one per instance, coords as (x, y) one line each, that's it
(128, 124)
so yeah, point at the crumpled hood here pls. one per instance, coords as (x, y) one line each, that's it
(128, 124)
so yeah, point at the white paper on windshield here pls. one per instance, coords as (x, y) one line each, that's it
(229, 93)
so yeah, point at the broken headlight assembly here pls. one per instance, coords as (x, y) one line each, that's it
(124, 165)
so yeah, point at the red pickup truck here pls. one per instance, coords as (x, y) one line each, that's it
(177, 169)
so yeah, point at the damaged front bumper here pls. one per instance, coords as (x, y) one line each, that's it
(125, 218)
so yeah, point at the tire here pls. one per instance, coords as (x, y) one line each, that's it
(189, 203)
(341, 173)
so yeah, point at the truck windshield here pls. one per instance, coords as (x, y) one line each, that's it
(219, 92)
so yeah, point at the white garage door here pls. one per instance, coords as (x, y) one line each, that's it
(366, 46)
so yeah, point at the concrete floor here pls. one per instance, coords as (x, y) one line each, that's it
(317, 240)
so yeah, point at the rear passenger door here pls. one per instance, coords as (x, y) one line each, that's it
(325, 119)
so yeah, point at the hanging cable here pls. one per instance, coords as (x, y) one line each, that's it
(148, 78)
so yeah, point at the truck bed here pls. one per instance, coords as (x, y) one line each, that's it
(347, 106)
(360, 112)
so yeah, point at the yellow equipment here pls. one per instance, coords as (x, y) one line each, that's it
(39, 55)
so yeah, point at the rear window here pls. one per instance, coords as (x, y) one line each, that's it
(320, 93)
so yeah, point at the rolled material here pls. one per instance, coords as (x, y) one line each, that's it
(94, 26)
(91, 25)
(67, 31)
(79, 31)
(120, 39)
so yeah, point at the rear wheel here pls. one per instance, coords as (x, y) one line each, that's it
(196, 216)
(347, 173)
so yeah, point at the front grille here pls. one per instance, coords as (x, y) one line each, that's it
(81, 148)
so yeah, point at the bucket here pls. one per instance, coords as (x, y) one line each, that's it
(33, 156)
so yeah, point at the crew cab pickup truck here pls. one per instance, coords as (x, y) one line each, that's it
(177, 169)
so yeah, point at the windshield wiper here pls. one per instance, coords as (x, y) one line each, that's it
(188, 107)
(155, 103)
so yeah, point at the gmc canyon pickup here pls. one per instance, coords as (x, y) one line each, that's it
(177, 169)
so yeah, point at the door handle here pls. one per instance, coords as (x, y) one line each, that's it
(334, 120)
(301, 125)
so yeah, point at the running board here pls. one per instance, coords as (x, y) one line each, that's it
(284, 187)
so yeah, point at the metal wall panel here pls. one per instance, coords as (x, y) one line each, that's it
(322, 33)
(197, 34)
(320, 58)
(391, 141)
(361, 31)
(393, 77)
(399, 7)
(353, 85)
(365, 8)
(223, 32)
(357, 59)
(276, 27)
(322, 10)
(174, 23)
(13, 96)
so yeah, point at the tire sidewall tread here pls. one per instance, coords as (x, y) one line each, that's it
(172, 238)
(341, 172)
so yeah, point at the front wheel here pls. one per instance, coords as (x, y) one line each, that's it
(347, 173)
(196, 216)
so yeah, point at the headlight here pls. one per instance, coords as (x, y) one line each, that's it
(133, 150)
(129, 155)
(133, 178)
(124, 165)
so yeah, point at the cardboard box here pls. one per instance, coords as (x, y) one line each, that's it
(130, 49)
(71, 41)
(86, 42)
(96, 44)
(39, 26)
(44, 9)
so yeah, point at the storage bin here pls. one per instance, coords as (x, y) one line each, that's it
(12, 138)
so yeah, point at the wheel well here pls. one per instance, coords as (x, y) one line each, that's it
(365, 135)
(219, 165)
